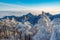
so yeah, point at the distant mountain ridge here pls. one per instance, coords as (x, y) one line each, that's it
(33, 19)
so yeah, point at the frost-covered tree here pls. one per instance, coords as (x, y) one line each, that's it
(24, 29)
(56, 29)
(44, 28)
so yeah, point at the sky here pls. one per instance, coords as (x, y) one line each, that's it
(34, 6)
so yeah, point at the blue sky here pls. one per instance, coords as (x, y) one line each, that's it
(31, 2)
(31, 5)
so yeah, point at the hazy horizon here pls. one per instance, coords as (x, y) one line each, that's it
(35, 6)
(20, 13)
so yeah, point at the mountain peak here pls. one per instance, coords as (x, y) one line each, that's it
(29, 14)
(43, 13)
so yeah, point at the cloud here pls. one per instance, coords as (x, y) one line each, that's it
(25, 9)
(6, 6)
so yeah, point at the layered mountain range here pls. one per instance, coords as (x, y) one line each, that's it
(33, 19)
